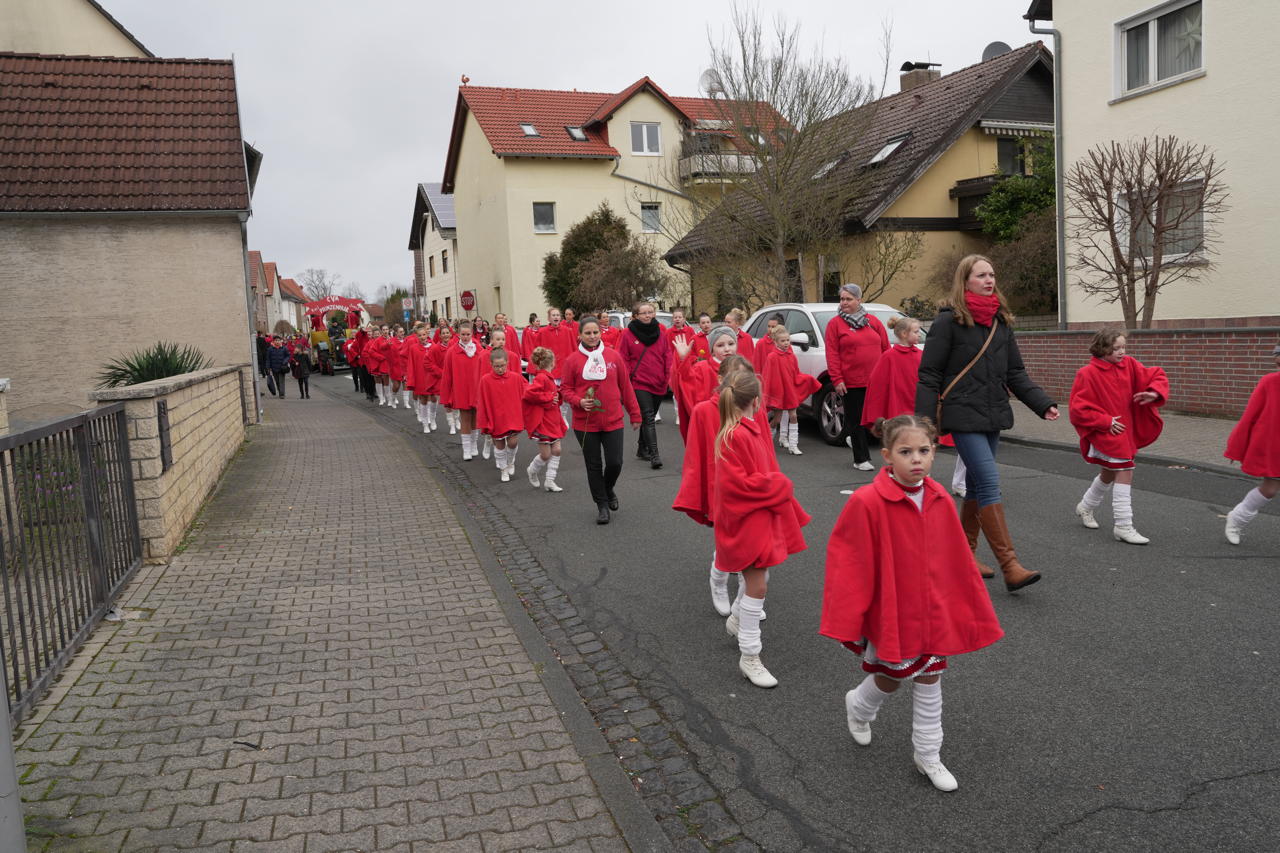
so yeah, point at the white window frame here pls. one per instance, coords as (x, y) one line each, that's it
(1148, 19)
(529, 128)
(825, 169)
(536, 229)
(644, 136)
(891, 145)
(1169, 259)
(656, 207)
(581, 134)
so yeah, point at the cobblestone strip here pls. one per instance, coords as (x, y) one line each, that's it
(632, 716)
(324, 668)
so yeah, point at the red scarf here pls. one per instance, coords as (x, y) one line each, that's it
(983, 308)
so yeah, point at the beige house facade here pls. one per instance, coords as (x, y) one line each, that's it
(69, 27)
(525, 165)
(1199, 70)
(433, 238)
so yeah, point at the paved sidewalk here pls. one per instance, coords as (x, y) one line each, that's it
(326, 667)
(1189, 440)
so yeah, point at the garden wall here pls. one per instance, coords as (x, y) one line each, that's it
(206, 412)
(1211, 371)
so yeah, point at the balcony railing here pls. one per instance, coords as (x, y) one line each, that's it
(712, 166)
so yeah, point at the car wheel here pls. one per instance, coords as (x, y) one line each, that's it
(830, 407)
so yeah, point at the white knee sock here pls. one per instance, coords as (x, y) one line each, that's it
(926, 720)
(500, 458)
(468, 445)
(784, 421)
(511, 456)
(1247, 510)
(1122, 505)
(382, 397)
(749, 610)
(718, 578)
(552, 465)
(404, 395)
(867, 699)
(1096, 493)
(793, 436)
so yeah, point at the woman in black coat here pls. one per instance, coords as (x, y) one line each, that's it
(976, 408)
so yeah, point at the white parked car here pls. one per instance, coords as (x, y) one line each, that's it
(620, 319)
(807, 323)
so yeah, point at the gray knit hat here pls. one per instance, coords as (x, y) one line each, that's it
(717, 332)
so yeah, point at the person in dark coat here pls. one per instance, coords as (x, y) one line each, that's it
(300, 367)
(977, 408)
(278, 364)
(262, 346)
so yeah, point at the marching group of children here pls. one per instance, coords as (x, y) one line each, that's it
(901, 589)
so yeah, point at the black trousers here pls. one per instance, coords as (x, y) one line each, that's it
(355, 376)
(648, 409)
(603, 454)
(853, 428)
(304, 385)
(279, 376)
(366, 382)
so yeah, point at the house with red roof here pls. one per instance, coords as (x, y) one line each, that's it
(125, 188)
(524, 165)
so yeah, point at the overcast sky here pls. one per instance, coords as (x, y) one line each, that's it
(351, 102)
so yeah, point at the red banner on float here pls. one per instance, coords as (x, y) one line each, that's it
(333, 303)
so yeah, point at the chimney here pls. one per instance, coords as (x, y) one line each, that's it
(918, 73)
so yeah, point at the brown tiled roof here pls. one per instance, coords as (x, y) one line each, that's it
(255, 261)
(933, 116)
(116, 134)
(290, 288)
(272, 276)
(611, 105)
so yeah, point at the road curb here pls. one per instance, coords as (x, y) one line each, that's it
(1150, 459)
(640, 829)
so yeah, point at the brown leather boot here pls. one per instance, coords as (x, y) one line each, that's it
(997, 531)
(969, 521)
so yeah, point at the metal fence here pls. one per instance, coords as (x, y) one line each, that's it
(69, 540)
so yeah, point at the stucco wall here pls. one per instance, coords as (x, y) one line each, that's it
(973, 155)
(1230, 109)
(71, 27)
(442, 285)
(80, 291)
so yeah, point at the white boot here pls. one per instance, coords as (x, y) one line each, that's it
(793, 440)
(391, 397)
(958, 487)
(719, 589)
(535, 471)
(510, 467)
(382, 395)
(926, 734)
(1243, 513)
(1122, 515)
(784, 422)
(1092, 499)
(405, 396)
(549, 482)
(468, 446)
(488, 447)
(861, 704)
(502, 464)
(430, 417)
(749, 644)
(452, 417)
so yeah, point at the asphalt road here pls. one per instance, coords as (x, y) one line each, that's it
(1130, 706)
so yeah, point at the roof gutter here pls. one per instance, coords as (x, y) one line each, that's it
(1059, 167)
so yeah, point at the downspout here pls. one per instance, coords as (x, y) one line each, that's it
(1058, 167)
(243, 216)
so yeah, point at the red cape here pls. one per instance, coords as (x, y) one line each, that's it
(422, 367)
(1103, 391)
(499, 409)
(891, 389)
(1255, 440)
(757, 518)
(785, 387)
(541, 411)
(903, 578)
(460, 377)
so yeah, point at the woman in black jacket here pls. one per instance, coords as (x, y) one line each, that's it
(976, 408)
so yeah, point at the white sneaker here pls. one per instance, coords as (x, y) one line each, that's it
(731, 624)
(453, 430)
(865, 466)
(1129, 534)
(506, 477)
(720, 596)
(860, 729)
(657, 417)
(487, 449)
(510, 470)
(426, 427)
(795, 450)
(753, 669)
(1086, 516)
(940, 776)
(533, 474)
(550, 485)
(1233, 530)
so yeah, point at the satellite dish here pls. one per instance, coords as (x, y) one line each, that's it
(996, 48)
(710, 84)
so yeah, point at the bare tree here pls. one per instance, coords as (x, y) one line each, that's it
(1143, 215)
(619, 276)
(318, 283)
(888, 253)
(793, 119)
(353, 290)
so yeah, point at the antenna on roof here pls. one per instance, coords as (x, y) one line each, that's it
(710, 83)
(996, 48)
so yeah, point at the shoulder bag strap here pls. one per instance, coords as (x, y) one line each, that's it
(938, 419)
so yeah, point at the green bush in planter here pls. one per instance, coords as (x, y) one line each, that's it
(157, 361)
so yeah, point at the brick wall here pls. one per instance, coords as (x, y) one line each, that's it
(206, 427)
(1211, 371)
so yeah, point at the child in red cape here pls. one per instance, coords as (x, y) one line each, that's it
(1115, 403)
(679, 330)
(500, 410)
(785, 386)
(756, 516)
(1255, 444)
(901, 592)
(416, 364)
(446, 341)
(460, 382)
(699, 377)
(542, 420)
(497, 341)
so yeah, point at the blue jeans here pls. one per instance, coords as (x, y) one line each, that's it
(978, 450)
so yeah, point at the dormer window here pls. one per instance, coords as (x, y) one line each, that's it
(889, 147)
(528, 128)
(825, 169)
(577, 134)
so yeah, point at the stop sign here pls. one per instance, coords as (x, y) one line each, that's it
(468, 300)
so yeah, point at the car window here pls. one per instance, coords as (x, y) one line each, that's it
(798, 321)
(757, 328)
(822, 318)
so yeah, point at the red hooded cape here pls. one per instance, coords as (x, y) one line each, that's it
(757, 518)
(541, 411)
(1255, 440)
(1103, 391)
(903, 578)
(499, 409)
(785, 387)
(460, 377)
